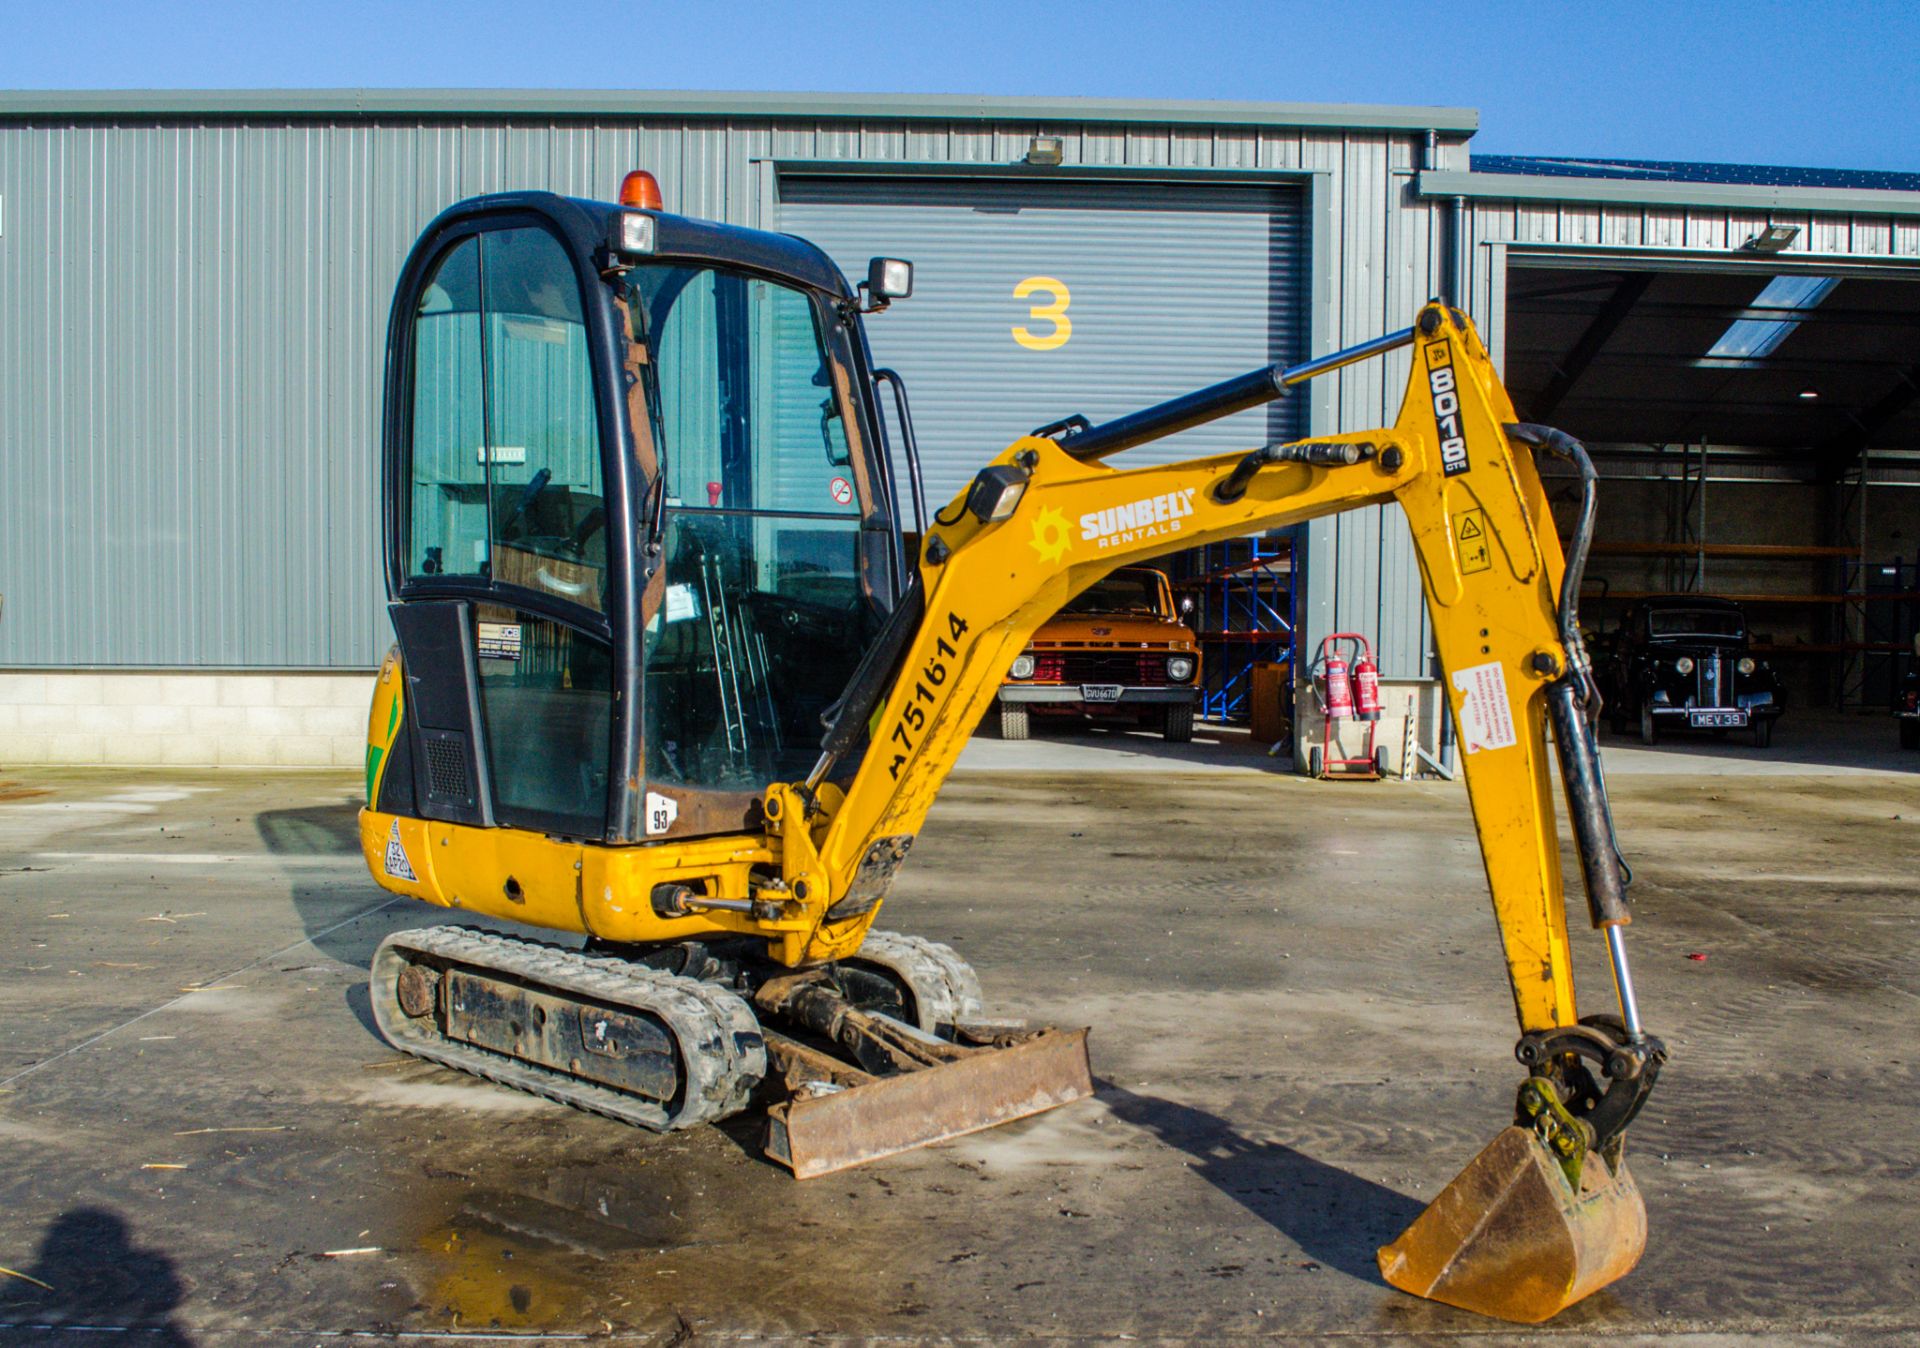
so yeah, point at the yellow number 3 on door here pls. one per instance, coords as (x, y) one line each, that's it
(1054, 311)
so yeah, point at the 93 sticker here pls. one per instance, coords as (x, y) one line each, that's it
(1442, 388)
(909, 728)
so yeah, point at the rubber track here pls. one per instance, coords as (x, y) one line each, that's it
(946, 990)
(722, 1053)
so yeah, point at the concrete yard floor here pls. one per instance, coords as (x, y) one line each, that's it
(1301, 1028)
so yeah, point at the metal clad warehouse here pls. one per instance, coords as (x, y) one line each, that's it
(193, 305)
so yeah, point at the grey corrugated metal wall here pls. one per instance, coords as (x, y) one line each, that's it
(1385, 262)
(193, 309)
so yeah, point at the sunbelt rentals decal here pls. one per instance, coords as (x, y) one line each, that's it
(1446, 409)
(1152, 517)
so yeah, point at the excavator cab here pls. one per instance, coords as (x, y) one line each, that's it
(667, 678)
(641, 534)
(640, 527)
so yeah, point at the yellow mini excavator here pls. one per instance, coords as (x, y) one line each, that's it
(673, 674)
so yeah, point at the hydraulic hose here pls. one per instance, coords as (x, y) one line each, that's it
(1564, 446)
(1573, 704)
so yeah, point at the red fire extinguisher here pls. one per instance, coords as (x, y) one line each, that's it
(1366, 686)
(1339, 688)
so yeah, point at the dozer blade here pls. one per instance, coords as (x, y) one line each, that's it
(853, 1118)
(1510, 1238)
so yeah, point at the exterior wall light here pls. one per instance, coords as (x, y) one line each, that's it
(1772, 239)
(1046, 151)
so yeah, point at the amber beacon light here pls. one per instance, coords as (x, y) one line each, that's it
(640, 188)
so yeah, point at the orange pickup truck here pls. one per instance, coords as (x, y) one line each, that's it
(1118, 651)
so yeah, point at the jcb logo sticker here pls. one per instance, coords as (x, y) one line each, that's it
(1446, 410)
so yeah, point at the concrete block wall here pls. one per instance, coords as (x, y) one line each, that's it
(150, 717)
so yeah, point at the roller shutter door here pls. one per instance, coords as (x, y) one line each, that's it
(1033, 301)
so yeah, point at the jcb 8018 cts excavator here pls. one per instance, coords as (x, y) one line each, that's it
(671, 674)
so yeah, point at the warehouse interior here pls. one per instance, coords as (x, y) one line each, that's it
(1756, 424)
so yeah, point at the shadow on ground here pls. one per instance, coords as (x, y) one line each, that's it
(1336, 1218)
(312, 830)
(90, 1278)
(326, 898)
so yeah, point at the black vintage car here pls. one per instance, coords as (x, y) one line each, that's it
(1680, 662)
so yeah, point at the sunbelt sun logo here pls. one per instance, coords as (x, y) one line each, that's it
(1148, 518)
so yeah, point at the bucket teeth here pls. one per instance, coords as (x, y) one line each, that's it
(1511, 1238)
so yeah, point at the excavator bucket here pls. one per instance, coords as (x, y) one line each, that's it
(1511, 1237)
(837, 1117)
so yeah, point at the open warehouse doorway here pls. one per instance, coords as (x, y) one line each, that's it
(1756, 425)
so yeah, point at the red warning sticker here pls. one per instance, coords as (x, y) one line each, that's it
(1486, 714)
(841, 490)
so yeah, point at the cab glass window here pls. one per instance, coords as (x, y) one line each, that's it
(448, 525)
(546, 699)
(764, 613)
(505, 477)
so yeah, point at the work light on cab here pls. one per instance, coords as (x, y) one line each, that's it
(890, 278)
(996, 491)
(634, 231)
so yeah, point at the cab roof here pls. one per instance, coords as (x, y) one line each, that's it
(679, 238)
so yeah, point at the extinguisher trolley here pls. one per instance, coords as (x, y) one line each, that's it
(1347, 689)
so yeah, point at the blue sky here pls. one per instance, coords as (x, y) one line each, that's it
(1824, 85)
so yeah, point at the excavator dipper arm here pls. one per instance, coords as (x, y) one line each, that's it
(1547, 1213)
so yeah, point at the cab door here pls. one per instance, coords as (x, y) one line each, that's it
(498, 534)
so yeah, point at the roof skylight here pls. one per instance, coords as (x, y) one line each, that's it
(1747, 341)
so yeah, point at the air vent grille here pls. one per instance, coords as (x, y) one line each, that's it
(447, 768)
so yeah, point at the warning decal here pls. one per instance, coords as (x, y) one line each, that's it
(397, 864)
(1471, 535)
(1486, 714)
(841, 490)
